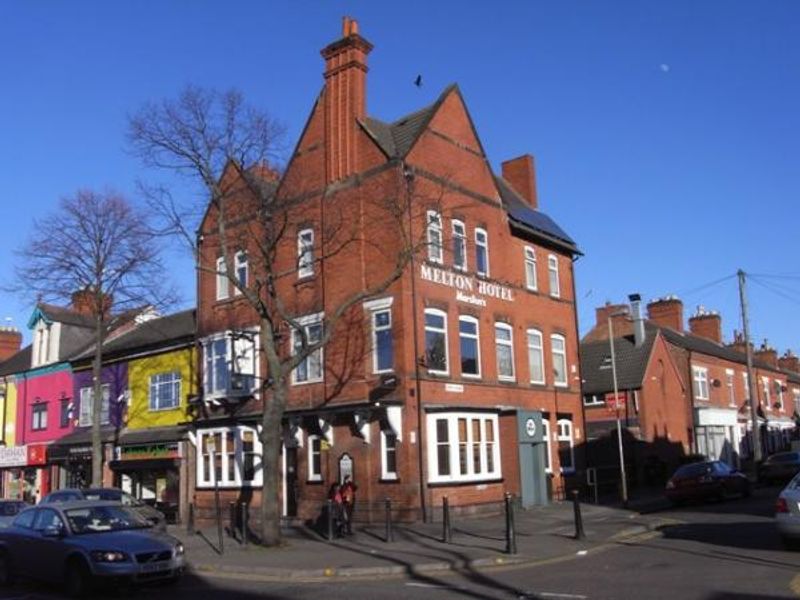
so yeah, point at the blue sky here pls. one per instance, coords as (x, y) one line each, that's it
(667, 134)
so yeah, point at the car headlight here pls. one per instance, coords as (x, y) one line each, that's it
(670, 485)
(108, 556)
(180, 549)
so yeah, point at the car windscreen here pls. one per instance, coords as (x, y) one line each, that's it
(110, 495)
(98, 519)
(693, 470)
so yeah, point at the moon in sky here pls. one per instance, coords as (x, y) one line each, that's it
(664, 67)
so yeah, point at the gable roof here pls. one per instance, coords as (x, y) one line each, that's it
(17, 363)
(631, 363)
(60, 314)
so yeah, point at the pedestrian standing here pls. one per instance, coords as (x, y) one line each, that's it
(349, 501)
(337, 508)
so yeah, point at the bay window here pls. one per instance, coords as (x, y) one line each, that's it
(230, 362)
(463, 447)
(229, 457)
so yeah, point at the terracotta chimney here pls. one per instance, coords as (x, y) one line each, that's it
(667, 312)
(707, 324)
(344, 99)
(789, 362)
(83, 302)
(767, 354)
(10, 342)
(520, 172)
(738, 342)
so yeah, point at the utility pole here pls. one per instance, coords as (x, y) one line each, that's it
(751, 381)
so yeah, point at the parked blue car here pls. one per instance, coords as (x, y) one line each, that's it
(78, 544)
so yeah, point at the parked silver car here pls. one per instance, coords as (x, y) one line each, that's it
(78, 544)
(787, 512)
(154, 516)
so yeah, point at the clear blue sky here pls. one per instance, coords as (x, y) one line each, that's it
(667, 134)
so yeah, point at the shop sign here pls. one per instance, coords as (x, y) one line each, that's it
(13, 456)
(150, 451)
(468, 289)
(37, 454)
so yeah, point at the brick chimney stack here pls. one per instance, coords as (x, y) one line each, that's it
(667, 312)
(789, 362)
(10, 342)
(83, 302)
(707, 324)
(767, 354)
(520, 172)
(738, 342)
(344, 99)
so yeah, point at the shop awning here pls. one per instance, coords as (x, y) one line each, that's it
(152, 435)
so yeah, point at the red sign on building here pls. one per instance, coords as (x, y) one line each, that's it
(37, 454)
(615, 402)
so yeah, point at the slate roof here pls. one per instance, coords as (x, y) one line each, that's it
(17, 363)
(631, 363)
(64, 315)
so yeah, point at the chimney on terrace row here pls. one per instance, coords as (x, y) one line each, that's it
(707, 324)
(10, 342)
(344, 99)
(667, 312)
(619, 318)
(83, 302)
(520, 172)
(789, 362)
(767, 354)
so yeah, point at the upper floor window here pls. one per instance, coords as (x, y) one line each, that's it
(566, 450)
(746, 382)
(463, 447)
(87, 405)
(434, 236)
(594, 400)
(436, 341)
(535, 356)
(767, 395)
(552, 270)
(504, 344)
(222, 279)
(382, 339)
(530, 269)
(241, 272)
(559, 350)
(729, 386)
(309, 370)
(66, 412)
(39, 416)
(459, 246)
(305, 253)
(481, 252)
(779, 394)
(700, 383)
(230, 361)
(45, 343)
(796, 396)
(165, 390)
(469, 343)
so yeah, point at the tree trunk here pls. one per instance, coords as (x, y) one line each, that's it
(271, 439)
(97, 404)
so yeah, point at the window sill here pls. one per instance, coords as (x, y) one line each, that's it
(439, 373)
(394, 479)
(507, 379)
(176, 407)
(304, 279)
(463, 482)
(314, 481)
(309, 382)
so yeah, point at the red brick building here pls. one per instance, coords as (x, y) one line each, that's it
(686, 391)
(421, 391)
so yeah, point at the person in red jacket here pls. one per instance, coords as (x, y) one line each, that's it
(348, 492)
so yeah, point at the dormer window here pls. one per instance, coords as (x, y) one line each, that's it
(45, 343)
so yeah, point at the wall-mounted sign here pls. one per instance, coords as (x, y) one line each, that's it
(530, 427)
(345, 467)
(150, 451)
(13, 456)
(458, 388)
(37, 454)
(468, 289)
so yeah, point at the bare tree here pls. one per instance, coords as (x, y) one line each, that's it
(100, 245)
(226, 147)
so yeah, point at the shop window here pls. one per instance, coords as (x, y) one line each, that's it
(309, 370)
(87, 402)
(434, 236)
(459, 246)
(229, 457)
(388, 455)
(305, 253)
(240, 263)
(436, 341)
(504, 347)
(314, 458)
(566, 450)
(558, 347)
(222, 279)
(464, 447)
(469, 342)
(530, 269)
(535, 356)
(481, 252)
(555, 281)
(39, 416)
(165, 390)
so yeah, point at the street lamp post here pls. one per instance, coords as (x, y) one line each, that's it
(211, 446)
(616, 407)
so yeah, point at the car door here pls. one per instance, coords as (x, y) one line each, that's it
(18, 541)
(49, 551)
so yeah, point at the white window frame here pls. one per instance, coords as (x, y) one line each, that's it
(453, 447)
(387, 475)
(86, 412)
(208, 374)
(477, 339)
(236, 433)
(223, 291)
(175, 380)
(779, 394)
(435, 237)
(509, 343)
(481, 244)
(700, 383)
(39, 416)
(796, 399)
(553, 276)
(548, 456)
(459, 240)
(531, 277)
(746, 381)
(535, 333)
(443, 314)
(730, 383)
(563, 425)
(240, 262)
(311, 474)
(594, 400)
(563, 354)
(305, 253)
(766, 392)
(374, 307)
(306, 323)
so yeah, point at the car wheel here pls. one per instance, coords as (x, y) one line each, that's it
(790, 543)
(6, 570)
(77, 579)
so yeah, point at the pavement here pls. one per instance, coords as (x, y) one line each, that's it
(543, 534)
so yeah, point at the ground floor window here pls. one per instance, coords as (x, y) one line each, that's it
(463, 447)
(388, 455)
(228, 457)
(716, 442)
(566, 450)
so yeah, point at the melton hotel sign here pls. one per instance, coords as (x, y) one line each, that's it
(468, 289)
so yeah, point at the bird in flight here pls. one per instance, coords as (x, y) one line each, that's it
(418, 81)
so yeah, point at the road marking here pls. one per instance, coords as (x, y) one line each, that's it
(558, 595)
(426, 585)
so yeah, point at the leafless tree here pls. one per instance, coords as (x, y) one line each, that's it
(226, 147)
(102, 246)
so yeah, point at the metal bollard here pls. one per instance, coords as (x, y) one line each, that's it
(190, 519)
(218, 510)
(511, 534)
(244, 515)
(576, 505)
(232, 519)
(330, 519)
(447, 534)
(389, 532)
